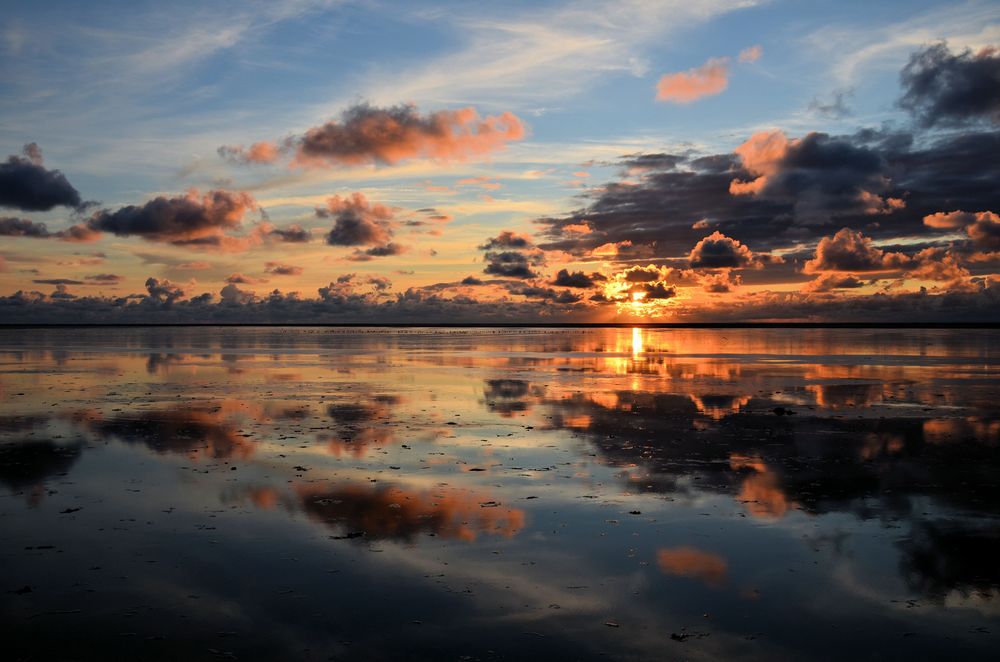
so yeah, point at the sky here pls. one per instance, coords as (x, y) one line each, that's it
(660, 161)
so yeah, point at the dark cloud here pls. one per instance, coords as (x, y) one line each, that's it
(717, 251)
(377, 251)
(163, 291)
(472, 280)
(358, 222)
(545, 293)
(509, 264)
(26, 184)
(832, 281)
(575, 279)
(105, 278)
(369, 134)
(190, 219)
(796, 204)
(849, 250)
(57, 281)
(293, 234)
(505, 240)
(279, 269)
(22, 227)
(940, 87)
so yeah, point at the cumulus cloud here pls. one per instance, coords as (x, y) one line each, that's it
(952, 220)
(707, 80)
(22, 227)
(189, 219)
(163, 291)
(940, 87)
(827, 282)
(821, 174)
(721, 282)
(565, 278)
(27, 185)
(717, 251)
(506, 239)
(370, 134)
(849, 250)
(509, 264)
(358, 222)
(985, 231)
(279, 269)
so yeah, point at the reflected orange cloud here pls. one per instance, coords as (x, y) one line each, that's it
(396, 513)
(706, 567)
(760, 492)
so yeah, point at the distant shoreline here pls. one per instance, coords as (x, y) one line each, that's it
(528, 325)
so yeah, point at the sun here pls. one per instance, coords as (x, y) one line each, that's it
(638, 296)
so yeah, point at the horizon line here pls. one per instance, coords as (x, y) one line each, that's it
(527, 325)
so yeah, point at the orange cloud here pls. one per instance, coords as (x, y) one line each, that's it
(707, 80)
(401, 514)
(849, 250)
(262, 152)
(761, 155)
(751, 54)
(367, 134)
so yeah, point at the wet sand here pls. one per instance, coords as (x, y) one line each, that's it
(624, 494)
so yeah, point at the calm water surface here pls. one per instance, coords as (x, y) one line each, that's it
(255, 493)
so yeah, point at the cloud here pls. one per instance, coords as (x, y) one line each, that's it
(809, 190)
(506, 239)
(985, 231)
(509, 264)
(827, 282)
(545, 293)
(707, 80)
(57, 281)
(836, 108)
(387, 250)
(27, 185)
(279, 269)
(952, 220)
(982, 227)
(721, 282)
(575, 279)
(751, 54)
(262, 152)
(22, 227)
(293, 234)
(163, 291)
(367, 134)
(849, 250)
(190, 219)
(717, 251)
(243, 279)
(105, 278)
(357, 222)
(940, 87)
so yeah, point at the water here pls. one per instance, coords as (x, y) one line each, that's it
(255, 493)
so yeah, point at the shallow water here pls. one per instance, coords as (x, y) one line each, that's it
(634, 494)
